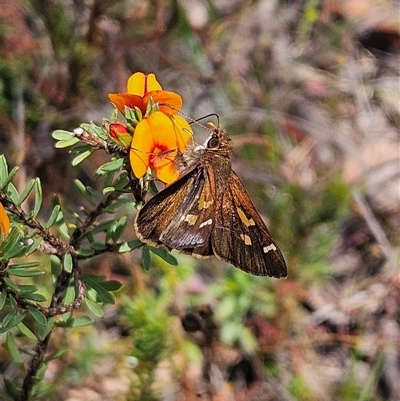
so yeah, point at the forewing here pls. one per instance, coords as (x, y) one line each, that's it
(241, 237)
(193, 221)
(178, 216)
(157, 213)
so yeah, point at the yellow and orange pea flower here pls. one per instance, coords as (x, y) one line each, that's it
(4, 222)
(160, 134)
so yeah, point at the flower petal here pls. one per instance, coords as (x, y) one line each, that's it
(4, 221)
(140, 83)
(170, 102)
(121, 100)
(170, 132)
(164, 167)
(141, 148)
(155, 144)
(183, 132)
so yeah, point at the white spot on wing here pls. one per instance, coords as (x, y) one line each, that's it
(206, 223)
(268, 248)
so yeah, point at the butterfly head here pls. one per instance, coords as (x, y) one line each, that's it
(218, 141)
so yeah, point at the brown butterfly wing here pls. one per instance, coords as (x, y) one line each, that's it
(240, 236)
(174, 217)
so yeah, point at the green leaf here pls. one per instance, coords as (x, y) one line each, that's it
(98, 286)
(12, 303)
(85, 253)
(12, 192)
(3, 298)
(61, 225)
(108, 190)
(122, 181)
(27, 288)
(133, 115)
(98, 246)
(10, 247)
(26, 265)
(11, 175)
(3, 171)
(110, 166)
(81, 157)
(94, 307)
(112, 285)
(13, 350)
(134, 244)
(24, 273)
(109, 179)
(38, 316)
(26, 331)
(11, 320)
(87, 192)
(55, 266)
(79, 321)
(81, 148)
(43, 331)
(26, 192)
(66, 143)
(62, 135)
(53, 217)
(146, 258)
(17, 252)
(67, 263)
(124, 248)
(38, 197)
(95, 130)
(34, 297)
(165, 255)
(117, 228)
(70, 295)
(11, 284)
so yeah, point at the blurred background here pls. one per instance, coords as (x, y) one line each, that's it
(309, 90)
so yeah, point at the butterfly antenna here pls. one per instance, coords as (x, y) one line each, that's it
(193, 121)
(207, 116)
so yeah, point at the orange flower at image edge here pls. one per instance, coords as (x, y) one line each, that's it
(4, 222)
(160, 134)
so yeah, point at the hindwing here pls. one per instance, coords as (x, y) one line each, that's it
(240, 236)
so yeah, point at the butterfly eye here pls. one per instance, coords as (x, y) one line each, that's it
(213, 143)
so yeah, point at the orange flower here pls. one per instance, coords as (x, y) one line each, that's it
(159, 133)
(141, 87)
(4, 222)
(155, 144)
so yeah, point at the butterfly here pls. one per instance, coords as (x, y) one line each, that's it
(207, 211)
